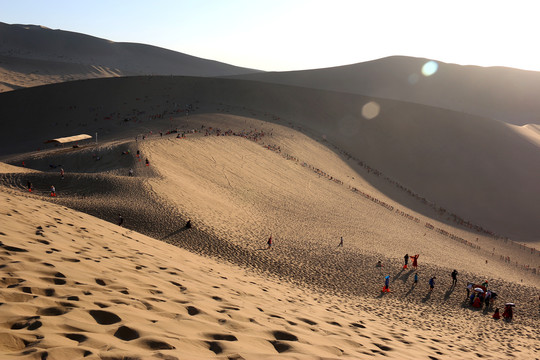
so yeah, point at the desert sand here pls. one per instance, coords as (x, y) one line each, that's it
(501, 93)
(32, 55)
(247, 160)
(76, 286)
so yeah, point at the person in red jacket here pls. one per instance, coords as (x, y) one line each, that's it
(415, 261)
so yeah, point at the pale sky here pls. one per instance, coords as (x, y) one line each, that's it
(279, 35)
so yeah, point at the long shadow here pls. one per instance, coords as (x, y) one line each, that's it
(406, 276)
(427, 297)
(174, 233)
(413, 286)
(449, 292)
(397, 275)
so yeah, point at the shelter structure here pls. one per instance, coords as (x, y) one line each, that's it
(69, 139)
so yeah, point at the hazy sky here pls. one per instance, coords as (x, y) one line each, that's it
(302, 34)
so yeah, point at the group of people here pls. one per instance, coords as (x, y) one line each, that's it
(477, 295)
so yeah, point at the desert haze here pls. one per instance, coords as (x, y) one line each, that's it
(108, 267)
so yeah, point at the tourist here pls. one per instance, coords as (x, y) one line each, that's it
(432, 283)
(454, 277)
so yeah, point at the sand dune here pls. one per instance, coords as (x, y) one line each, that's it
(80, 287)
(436, 153)
(500, 93)
(33, 55)
(305, 166)
(17, 73)
(77, 286)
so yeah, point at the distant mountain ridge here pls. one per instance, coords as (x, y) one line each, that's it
(506, 94)
(35, 55)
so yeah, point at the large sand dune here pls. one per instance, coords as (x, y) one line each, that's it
(33, 55)
(500, 93)
(479, 169)
(77, 286)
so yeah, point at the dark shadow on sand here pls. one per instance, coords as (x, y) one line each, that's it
(405, 277)
(427, 297)
(175, 233)
(413, 286)
(396, 276)
(449, 292)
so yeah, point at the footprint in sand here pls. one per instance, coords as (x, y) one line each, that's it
(280, 346)
(215, 347)
(11, 248)
(32, 323)
(283, 335)
(307, 321)
(127, 334)
(52, 311)
(104, 317)
(225, 337)
(77, 337)
(192, 310)
(157, 345)
(383, 347)
(180, 286)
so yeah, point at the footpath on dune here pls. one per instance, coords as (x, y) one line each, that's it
(234, 224)
(74, 286)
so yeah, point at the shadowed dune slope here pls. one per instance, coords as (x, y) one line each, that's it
(481, 169)
(496, 92)
(35, 55)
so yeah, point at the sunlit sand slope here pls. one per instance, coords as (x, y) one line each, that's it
(477, 168)
(74, 286)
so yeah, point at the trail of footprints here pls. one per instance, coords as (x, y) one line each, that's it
(102, 313)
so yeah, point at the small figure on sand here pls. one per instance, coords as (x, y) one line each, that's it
(386, 287)
(130, 173)
(469, 288)
(415, 261)
(188, 224)
(406, 258)
(340, 242)
(432, 283)
(269, 242)
(415, 278)
(53, 191)
(508, 313)
(147, 162)
(62, 173)
(379, 264)
(496, 315)
(120, 220)
(454, 277)
(29, 186)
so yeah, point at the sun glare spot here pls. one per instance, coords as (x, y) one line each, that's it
(430, 68)
(371, 110)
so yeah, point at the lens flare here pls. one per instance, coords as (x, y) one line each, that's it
(371, 110)
(430, 68)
